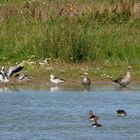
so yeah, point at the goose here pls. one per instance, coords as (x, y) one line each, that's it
(85, 80)
(56, 80)
(121, 112)
(124, 80)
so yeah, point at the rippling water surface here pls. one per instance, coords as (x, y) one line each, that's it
(61, 113)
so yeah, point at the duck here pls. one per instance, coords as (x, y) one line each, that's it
(91, 116)
(121, 112)
(56, 80)
(125, 79)
(96, 123)
(85, 80)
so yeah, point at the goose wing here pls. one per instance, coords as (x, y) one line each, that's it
(117, 80)
(12, 70)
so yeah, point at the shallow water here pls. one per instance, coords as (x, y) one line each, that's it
(61, 113)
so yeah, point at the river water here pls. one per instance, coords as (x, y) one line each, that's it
(61, 113)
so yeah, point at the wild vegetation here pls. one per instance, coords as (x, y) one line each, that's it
(99, 32)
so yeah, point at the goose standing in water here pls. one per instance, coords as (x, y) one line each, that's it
(56, 80)
(85, 80)
(124, 80)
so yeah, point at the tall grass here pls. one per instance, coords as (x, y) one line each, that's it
(68, 32)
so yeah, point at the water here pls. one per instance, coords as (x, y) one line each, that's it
(61, 113)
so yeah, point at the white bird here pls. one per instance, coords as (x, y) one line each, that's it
(55, 80)
(13, 70)
(124, 80)
(4, 77)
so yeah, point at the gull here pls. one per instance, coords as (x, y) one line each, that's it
(22, 78)
(56, 80)
(124, 80)
(5, 77)
(13, 70)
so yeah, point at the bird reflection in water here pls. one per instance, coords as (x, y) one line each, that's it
(54, 89)
(86, 88)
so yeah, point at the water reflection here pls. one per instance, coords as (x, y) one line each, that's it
(54, 89)
(4, 89)
(86, 88)
(95, 88)
(122, 88)
(11, 88)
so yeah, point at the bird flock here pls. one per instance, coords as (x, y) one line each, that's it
(5, 77)
(123, 81)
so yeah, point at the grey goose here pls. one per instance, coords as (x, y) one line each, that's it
(124, 80)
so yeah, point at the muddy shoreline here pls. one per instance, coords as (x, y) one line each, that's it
(69, 82)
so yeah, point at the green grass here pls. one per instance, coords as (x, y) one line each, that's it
(108, 41)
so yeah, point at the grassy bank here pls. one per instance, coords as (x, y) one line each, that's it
(77, 34)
